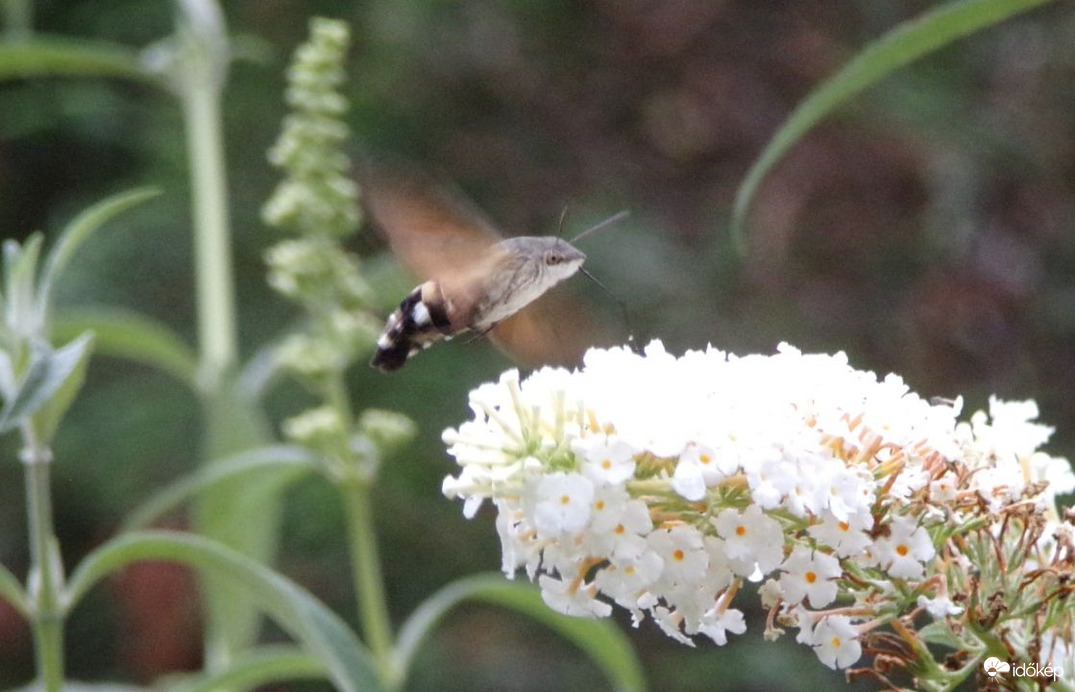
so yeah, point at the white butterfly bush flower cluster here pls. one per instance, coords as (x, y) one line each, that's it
(659, 484)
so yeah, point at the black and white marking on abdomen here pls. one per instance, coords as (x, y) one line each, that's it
(420, 320)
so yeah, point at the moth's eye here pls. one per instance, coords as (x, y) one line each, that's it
(553, 258)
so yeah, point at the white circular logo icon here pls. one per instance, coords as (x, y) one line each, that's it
(994, 666)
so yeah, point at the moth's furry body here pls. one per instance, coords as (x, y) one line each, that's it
(510, 275)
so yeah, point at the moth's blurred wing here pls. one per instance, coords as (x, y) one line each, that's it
(432, 231)
(553, 330)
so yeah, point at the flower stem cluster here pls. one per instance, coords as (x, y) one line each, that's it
(317, 198)
(662, 484)
(318, 201)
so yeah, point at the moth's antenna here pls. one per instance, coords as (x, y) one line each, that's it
(607, 222)
(560, 226)
(614, 297)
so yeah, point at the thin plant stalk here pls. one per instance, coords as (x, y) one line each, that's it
(46, 571)
(367, 574)
(217, 332)
(354, 488)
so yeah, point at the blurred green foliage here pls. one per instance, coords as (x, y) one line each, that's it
(926, 230)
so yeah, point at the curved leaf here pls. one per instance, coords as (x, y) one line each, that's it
(126, 334)
(897, 48)
(78, 230)
(175, 494)
(260, 372)
(256, 667)
(600, 640)
(47, 373)
(54, 56)
(305, 618)
(48, 417)
(12, 592)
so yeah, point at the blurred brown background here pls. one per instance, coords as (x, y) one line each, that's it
(926, 230)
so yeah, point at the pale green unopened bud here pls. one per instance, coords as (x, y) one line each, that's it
(311, 359)
(387, 429)
(321, 429)
(317, 271)
(316, 198)
(354, 332)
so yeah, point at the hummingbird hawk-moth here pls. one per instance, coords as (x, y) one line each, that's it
(474, 279)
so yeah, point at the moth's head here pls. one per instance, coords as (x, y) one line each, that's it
(551, 259)
(560, 258)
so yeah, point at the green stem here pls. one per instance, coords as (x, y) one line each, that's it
(337, 397)
(46, 570)
(366, 571)
(198, 77)
(217, 331)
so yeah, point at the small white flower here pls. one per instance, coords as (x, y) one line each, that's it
(571, 599)
(908, 482)
(558, 503)
(771, 480)
(848, 536)
(617, 523)
(670, 621)
(681, 549)
(719, 573)
(943, 489)
(687, 480)
(696, 470)
(752, 540)
(849, 492)
(606, 461)
(939, 607)
(631, 570)
(835, 641)
(716, 627)
(904, 550)
(613, 510)
(809, 574)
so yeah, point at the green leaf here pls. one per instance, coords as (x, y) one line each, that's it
(600, 640)
(129, 335)
(222, 470)
(897, 48)
(70, 686)
(235, 424)
(940, 633)
(48, 417)
(12, 592)
(46, 374)
(77, 231)
(257, 667)
(261, 371)
(65, 57)
(20, 269)
(319, 630)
